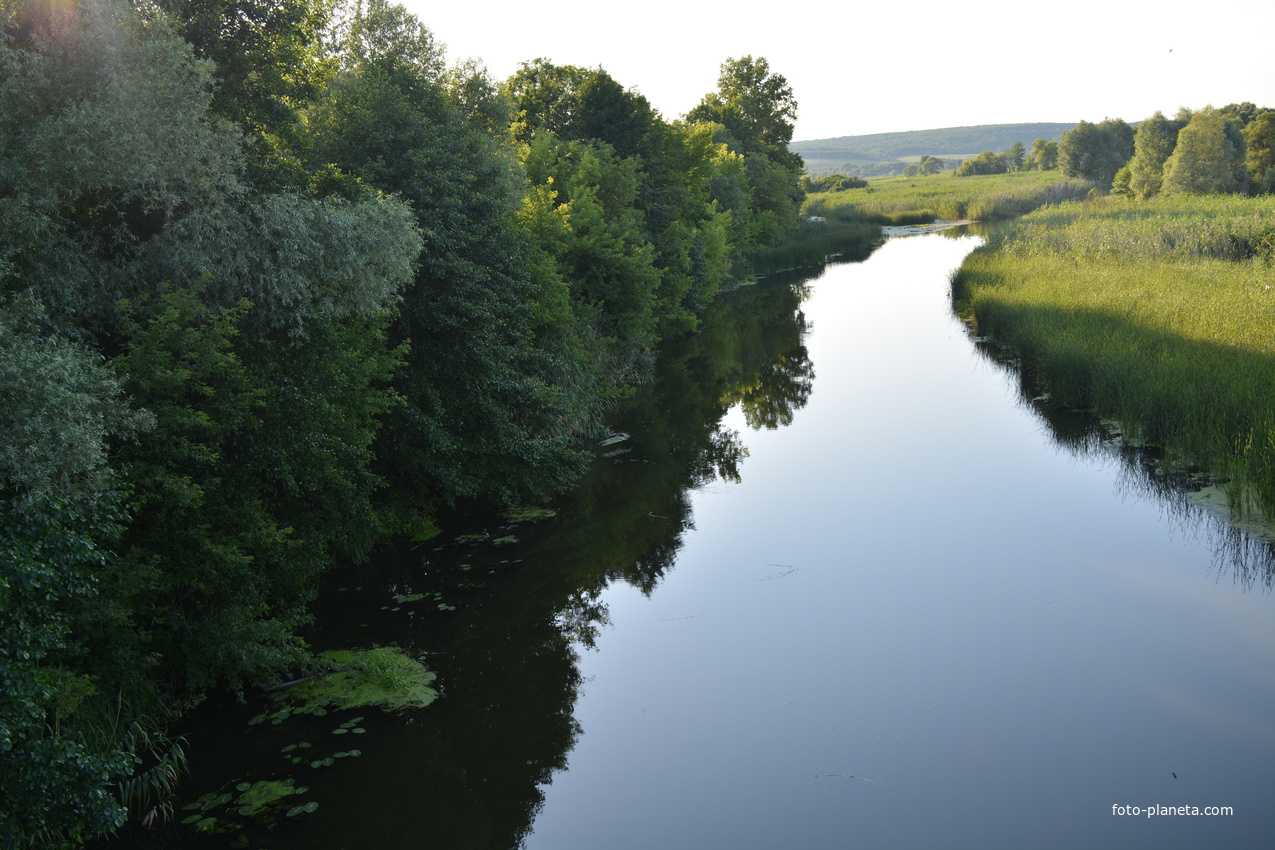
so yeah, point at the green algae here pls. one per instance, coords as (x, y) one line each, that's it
(530, 513)
(383, 677)
(474, 537)
(504, 541)
(406, 598)
(303, 809)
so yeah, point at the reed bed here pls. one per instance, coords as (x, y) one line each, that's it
(920, 200)
(1158, 314)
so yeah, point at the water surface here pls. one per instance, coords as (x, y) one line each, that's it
(845, 586)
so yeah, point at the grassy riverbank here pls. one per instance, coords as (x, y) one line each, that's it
(1158, 314)
(920, 200)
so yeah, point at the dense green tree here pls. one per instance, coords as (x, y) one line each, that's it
(60, 509)
(1259, 151)
(267, 61)
(756, 109)
(1208, 156)
(1043, 155)
(1096, 151)
(1015, 156)
(988, 162)
(1120, 183)
(481, 418)
(1152, 144)
(1242, 113)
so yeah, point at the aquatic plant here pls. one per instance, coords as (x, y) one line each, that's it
(383, 677)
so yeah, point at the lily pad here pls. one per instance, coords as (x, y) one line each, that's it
(266, 793)
(303, 809)
(505, 540)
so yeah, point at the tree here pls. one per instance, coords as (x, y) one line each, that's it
(1120, 182)
(1259, 151)
(61, 508)
(481, 415)
(1152, 144)
(755, 105)
(1242, 113)
(756, 110)
(1096, 151)
(1043, 156)
(1208, 157)
(1014, 156)
(988, 162)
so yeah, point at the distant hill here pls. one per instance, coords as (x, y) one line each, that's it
(888, 153)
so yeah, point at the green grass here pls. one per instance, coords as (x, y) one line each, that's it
(920, 200)
(1158, 314)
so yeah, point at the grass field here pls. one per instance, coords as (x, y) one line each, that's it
(920, 200)
(1158, 314)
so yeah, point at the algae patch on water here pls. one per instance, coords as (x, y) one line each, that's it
(528, 513)
(383, 677)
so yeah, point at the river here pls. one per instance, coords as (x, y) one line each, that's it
(846, 585)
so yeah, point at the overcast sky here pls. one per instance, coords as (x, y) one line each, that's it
(870, 68)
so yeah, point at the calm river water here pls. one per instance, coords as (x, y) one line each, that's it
(845, 586)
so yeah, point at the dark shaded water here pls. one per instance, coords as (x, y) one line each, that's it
(893, 605)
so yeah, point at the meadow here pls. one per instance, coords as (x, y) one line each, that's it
(920, 200)
(1158, 314)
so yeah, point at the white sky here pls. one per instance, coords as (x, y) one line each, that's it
(876, 67)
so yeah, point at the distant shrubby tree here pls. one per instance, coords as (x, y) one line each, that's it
(1043, 155)
(1152, 144)
(831, 183)
(1015, 156)
(1120, 182)
(988, 162)
(1208, 157)
(1241, 113)
(925, 166)
(1259, 151)
(1096, 151)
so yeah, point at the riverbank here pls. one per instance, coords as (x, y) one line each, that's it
(922, 200)
(1159, 315)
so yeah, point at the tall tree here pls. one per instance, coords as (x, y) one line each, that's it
(1152, 144)
(1096, 151)
(1208, 157)
(1043, 155)
(756, 108)
(1259, 153)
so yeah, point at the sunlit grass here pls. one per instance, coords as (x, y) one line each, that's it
(1160, 315)
(919, 200)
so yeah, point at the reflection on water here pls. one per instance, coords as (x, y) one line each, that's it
(913, 606)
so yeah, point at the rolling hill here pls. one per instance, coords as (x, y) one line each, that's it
(888, 153)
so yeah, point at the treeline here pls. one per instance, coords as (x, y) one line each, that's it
(1043, 156)
(277, 282)
(1212, 151)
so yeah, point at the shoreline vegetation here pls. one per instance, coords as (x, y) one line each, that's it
(1159, 315)
(280, 283)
